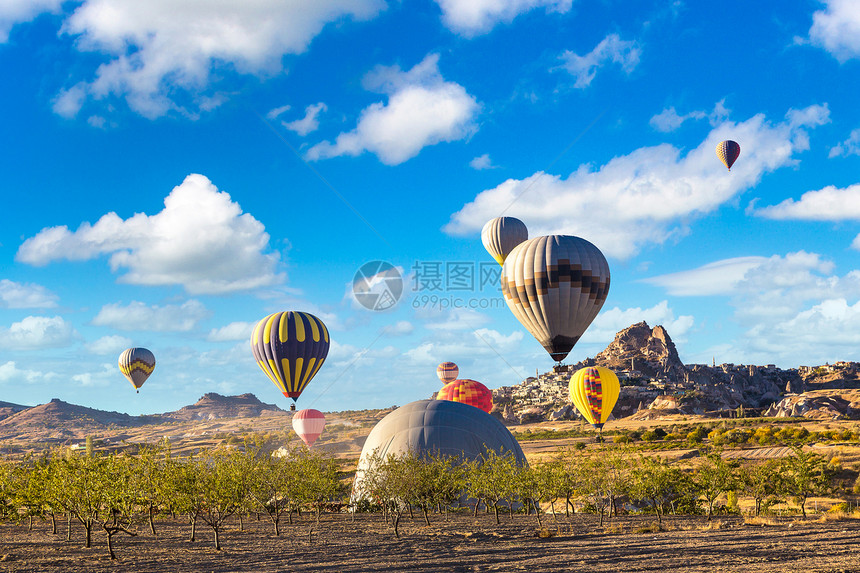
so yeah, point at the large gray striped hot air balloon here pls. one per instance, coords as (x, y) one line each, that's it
(136, 364)
(501, 235)
(555, 286)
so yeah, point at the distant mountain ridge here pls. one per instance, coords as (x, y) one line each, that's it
(61, 416)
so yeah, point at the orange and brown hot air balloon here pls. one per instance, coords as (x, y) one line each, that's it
(447, 372)
(469, 392)
(728, 152)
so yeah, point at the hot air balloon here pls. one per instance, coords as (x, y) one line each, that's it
(309, 424)
(555, 286)
(137, 364)
(290, 347)
(501, 235)
(594, 391)
(728, 151)
(447, 372)
(468, 392)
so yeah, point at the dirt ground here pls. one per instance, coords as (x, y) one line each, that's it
(462, 544)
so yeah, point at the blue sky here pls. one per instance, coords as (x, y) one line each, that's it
(173, 171)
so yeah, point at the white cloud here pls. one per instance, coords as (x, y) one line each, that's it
(827, 204)
(309, 122)
(25, 295)
(464, 344)
(137, 316)
(850, 146)
(836, 28)
(612, 320)
(160, 54)
(473, 17)
(653, 192)
(18, 11)
(201, 240)
(274, 113)
(423, 109)
(717, 278)
(9, 372)
(612, 49)
(233, 331)
(482, 162)
(669, 120)
(36, 332)
(113, 344)
(460, 319)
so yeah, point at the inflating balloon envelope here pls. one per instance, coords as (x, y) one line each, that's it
(555, 286)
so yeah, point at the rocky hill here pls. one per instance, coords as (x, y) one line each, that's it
(8, 408)
(653, 378)
(214, 406)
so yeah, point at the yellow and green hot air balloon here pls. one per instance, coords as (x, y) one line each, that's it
(594, 391)
(290, 347)
(136, 364)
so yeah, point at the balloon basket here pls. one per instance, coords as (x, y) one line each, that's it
(292, 407)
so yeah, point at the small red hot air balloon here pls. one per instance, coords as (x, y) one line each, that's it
(308, 424)
(728, 152)
(468, 392)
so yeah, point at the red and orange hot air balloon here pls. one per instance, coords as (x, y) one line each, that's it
(728, 151)
(468, 392)
(447, 372)
(308, 425)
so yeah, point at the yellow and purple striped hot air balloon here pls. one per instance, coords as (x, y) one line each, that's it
(447, 372)
(137, 364)
(594, 391)
(468, 392)
(290, 347)
(728, 151)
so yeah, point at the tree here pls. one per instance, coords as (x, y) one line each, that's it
(654, 480)
(119, 484)
(763, 481)
(806, 474)
(491, 478)
(714, 477)
(222, 487)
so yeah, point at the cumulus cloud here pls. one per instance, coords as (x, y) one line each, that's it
(309, 122)
(473, 17)
(232, 331)
(652, 192)
(113, 344)
(160, 54)
(138, 316)
(422, 109)
(25, 295)
(465, 344)
(827, 204)
(850, 146)
(836, 28)
(399, 328)
(9, 372)
(669, 119)
(18, 11)
(612, 49)
(793, 309)
(36, 332)
(482, 162)
(201, 240)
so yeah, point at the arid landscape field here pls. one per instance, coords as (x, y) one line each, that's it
(782, 541)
